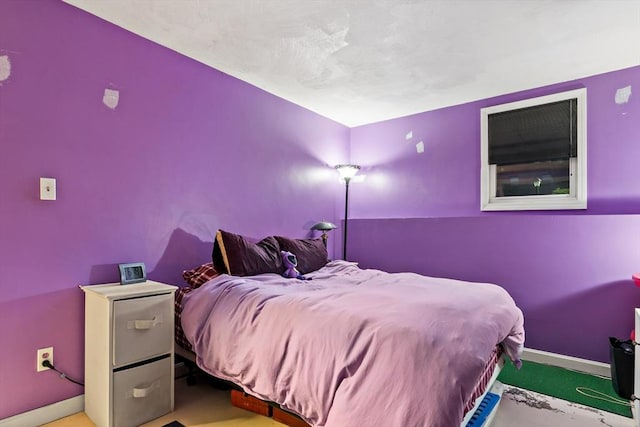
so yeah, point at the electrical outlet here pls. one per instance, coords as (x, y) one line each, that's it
(44, 354)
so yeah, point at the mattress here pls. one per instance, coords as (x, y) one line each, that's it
(245, 401)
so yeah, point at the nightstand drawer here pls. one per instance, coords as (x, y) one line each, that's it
(142, 393)
(143, 328)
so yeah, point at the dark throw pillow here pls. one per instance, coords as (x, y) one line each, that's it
(241, 256)
(311, 253)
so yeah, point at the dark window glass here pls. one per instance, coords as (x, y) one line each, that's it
(531, 179)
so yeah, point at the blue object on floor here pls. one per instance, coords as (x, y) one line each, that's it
(484, 409)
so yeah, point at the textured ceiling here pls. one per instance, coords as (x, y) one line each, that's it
(362, 61)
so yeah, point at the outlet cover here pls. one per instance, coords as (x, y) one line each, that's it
(44, 354)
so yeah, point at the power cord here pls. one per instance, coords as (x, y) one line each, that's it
(594, 394)
(48, 364)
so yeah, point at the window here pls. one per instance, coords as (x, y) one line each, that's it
(534, 153)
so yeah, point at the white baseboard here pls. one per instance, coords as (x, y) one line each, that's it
(567, 362)
(46, 414)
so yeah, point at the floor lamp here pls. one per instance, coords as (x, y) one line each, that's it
(346, 173)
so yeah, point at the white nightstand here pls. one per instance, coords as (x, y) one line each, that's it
(128, 352)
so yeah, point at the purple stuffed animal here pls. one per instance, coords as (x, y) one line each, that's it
(290, 263)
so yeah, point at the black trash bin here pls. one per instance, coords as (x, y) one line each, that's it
(622, 355)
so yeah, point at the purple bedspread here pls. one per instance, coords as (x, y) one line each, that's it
(353, 347)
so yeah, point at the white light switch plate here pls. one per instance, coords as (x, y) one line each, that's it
(47, 188)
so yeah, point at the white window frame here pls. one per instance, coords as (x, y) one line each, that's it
(577, 197)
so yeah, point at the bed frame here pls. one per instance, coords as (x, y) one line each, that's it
(483, 411)
(481, 414)
(239, 398)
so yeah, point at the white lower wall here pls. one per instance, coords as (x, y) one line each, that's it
(46, 414)
(567, 362)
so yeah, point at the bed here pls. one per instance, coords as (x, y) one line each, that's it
(354, 347)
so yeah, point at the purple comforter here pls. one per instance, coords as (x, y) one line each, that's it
(353, 347)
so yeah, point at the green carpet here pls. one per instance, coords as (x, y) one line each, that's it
(562, 383)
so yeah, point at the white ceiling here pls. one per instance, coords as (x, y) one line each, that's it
(362, 61)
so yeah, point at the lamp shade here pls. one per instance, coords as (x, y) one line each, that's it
(323, 226)
(347, 171)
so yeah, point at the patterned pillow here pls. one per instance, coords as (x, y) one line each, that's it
(200, 275)
(180, 337)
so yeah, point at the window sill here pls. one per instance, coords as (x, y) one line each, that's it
(533, 203)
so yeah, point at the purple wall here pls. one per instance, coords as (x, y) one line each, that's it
(189, 149)
(186, 151)
(568, 270)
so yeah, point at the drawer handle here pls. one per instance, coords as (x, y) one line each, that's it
(141, 392)
(144, 324)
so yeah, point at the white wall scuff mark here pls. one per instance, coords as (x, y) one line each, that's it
(623, 94)
(5, 68)
(420, 147)
(111, 98)
(409, 135)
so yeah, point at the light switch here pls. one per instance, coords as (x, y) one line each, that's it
(47, 188)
